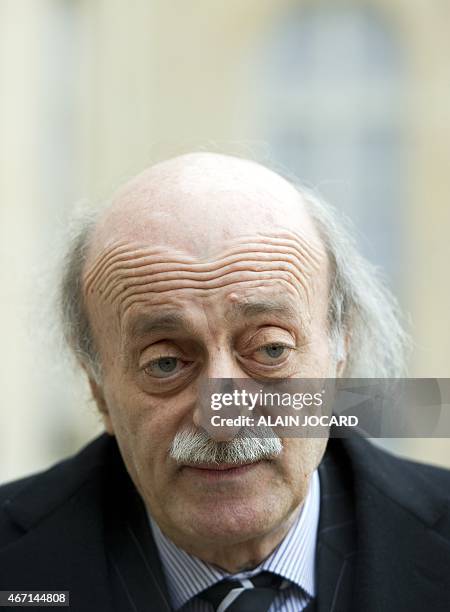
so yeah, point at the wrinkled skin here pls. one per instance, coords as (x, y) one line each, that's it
(207, 259)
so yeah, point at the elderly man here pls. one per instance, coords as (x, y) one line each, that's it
(211, 267)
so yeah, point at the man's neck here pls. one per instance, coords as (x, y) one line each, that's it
(248, 555)
(241, 556)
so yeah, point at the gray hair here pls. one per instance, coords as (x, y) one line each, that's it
(362, 310)
(74, 319)
(361, 307)
(248, 446)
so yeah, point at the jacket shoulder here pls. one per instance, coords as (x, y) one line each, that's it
(387, 464)
(24, 502)
(421, 489)
(11, 489)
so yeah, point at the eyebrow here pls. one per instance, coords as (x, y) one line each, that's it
(145, 324)
(254, 309)
(151, 323)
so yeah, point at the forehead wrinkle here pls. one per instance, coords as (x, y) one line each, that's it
(127, 284)
(108, 256)
(203, 292)
(122, 271)
(233, 278)
(144, 269)
(306, 246)
(124, 275)
(117, 256)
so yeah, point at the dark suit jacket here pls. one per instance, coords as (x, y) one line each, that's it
(383, 544)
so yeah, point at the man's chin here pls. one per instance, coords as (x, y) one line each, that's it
(229, 522)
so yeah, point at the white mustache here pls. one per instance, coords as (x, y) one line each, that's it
(192, 446)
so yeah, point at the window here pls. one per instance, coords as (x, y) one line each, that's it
(332, 113)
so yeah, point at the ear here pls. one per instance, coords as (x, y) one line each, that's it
(99, 397)
(342, 351)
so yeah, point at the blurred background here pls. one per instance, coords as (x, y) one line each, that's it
(351, 97)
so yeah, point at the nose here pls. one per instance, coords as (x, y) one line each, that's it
(222, 364)
(219, 378)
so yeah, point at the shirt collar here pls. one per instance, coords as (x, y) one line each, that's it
(293, 559)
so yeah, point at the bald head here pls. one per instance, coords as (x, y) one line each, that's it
(196, 202)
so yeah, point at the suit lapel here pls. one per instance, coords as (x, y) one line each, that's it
(402, 562)
(336, 545)
(381, 542)
(402, 559)
(139, 583)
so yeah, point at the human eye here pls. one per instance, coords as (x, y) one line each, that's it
(273, 353)
(164, 367)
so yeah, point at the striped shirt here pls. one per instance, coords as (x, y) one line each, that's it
(293, 559)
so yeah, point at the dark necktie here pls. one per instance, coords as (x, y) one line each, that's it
(246, 595)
